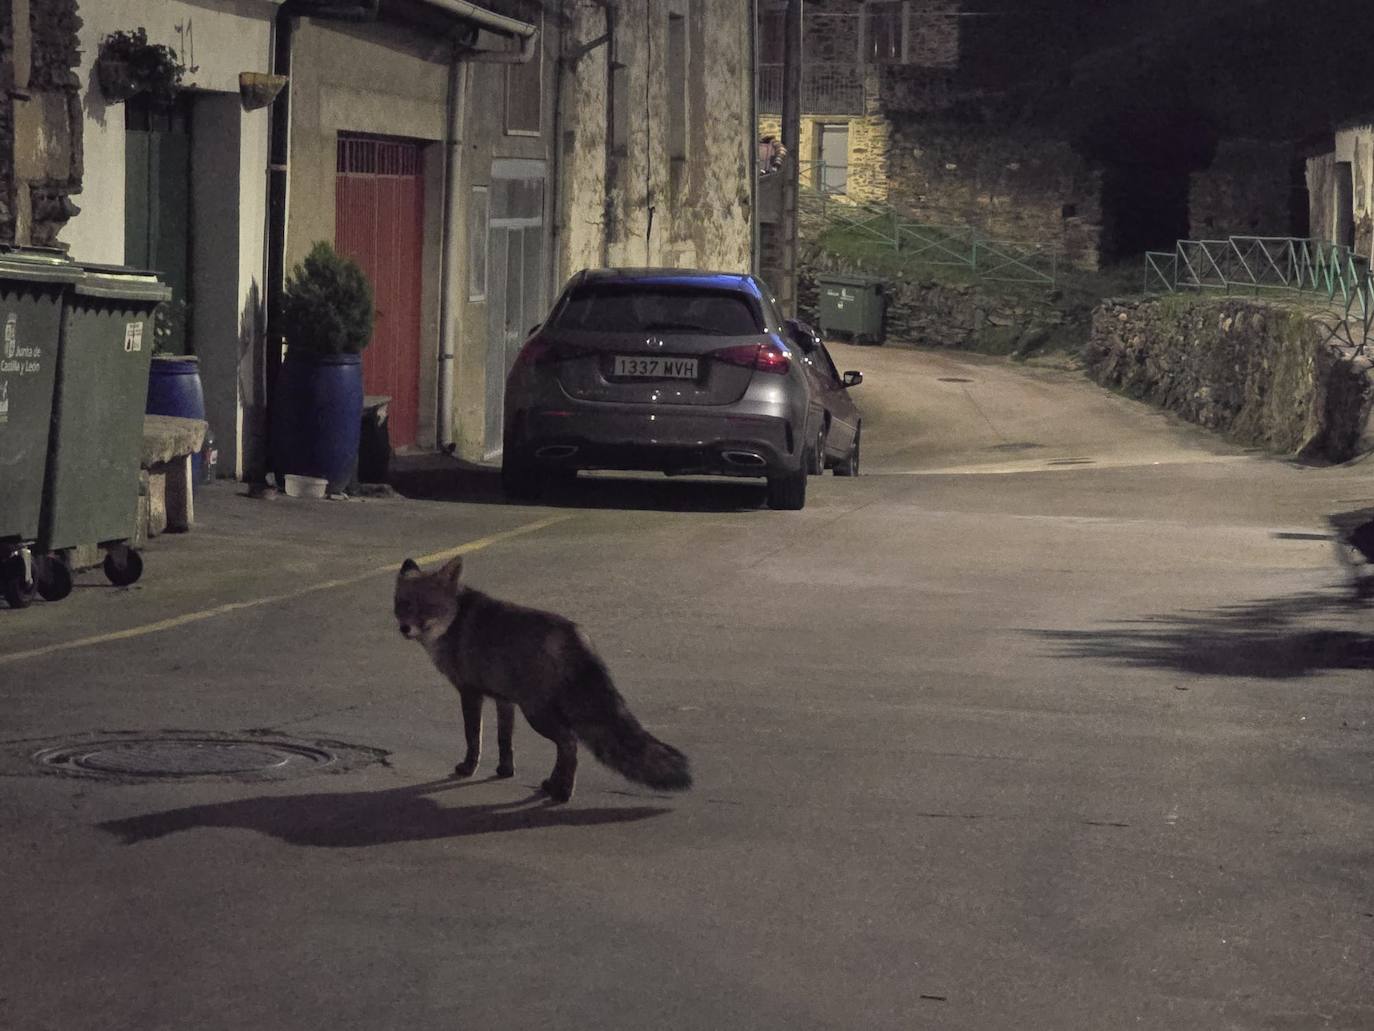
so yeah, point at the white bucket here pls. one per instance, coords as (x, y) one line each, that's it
(305, 486)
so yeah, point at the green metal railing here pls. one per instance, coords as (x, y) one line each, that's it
(947, 246)
(1330, 272)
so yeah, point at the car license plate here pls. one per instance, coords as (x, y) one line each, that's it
(655, 367)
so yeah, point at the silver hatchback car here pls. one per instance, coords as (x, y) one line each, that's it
(671, 370)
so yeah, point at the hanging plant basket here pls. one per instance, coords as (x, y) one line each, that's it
(258, 89)
(116, 78)
(128, 64)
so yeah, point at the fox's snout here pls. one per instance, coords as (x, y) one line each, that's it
(407, 630)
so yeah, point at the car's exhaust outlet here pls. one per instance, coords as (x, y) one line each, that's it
(743, 458)
(556, 451)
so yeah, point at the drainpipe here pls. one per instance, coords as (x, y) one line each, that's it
(493, 22)
(607, 178)
(753, 162)
(448, 295)
(555, 193)
(279, 149)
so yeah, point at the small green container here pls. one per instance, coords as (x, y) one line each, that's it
(91, 493)
(852, 306)
(33, 289)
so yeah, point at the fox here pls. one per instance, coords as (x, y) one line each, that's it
(538, 661)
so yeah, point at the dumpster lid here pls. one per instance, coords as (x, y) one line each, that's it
(847, 280)
(38, 265)
(121, 282)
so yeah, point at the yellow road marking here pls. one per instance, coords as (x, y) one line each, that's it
(234, 606)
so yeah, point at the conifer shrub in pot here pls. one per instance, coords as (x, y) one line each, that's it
(326, 317)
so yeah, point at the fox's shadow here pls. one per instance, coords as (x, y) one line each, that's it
(1272, 639)
(359, 819)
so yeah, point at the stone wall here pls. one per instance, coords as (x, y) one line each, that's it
(933, 33)
(1245, 192)
(40, 119)
(866, 173)
(1258, 373)
(1321, 172)
(867, 178)
(1011, 186)
(656, 209)
(833, 30)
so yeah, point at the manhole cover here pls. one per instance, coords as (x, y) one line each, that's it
(188, 756)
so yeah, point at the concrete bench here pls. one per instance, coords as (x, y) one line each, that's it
(166, 501)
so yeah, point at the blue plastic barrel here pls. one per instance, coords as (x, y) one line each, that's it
(317, 417)
(174, 388)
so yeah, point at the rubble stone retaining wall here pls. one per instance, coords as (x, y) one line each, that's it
(1260, 373)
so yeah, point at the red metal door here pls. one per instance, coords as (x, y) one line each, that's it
(379, 205)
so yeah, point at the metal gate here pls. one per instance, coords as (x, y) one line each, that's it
(516, 294)
(379, 207)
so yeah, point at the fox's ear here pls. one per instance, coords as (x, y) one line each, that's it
(453, 570)
(409, 568)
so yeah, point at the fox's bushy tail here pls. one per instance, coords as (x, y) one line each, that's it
(604, 723)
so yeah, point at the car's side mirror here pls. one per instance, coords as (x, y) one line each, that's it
(803, 335)
(853, 378)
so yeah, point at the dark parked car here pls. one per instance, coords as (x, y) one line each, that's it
(677, 371)
(837, 444)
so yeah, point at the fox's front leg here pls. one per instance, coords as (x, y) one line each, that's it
(472, 731)
(505, 727)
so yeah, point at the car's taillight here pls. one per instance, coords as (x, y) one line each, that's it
(763, 357)
(539, 351)
(772, 358)
(535, 352)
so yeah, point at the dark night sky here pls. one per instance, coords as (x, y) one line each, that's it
(1281, 68)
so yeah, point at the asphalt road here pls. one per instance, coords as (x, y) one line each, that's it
(1039, 723)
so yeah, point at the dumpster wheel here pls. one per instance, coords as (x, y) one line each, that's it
(15, 584)
(53, 577)
(123, 566)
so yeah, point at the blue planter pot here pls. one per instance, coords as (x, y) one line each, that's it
(174, 388)
(317, 416)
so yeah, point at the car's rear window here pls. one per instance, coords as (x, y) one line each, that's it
(663, 310)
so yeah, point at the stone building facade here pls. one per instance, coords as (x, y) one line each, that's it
(181, 188)
(1340, 186)
(470, 157)
(623, 139)
(40, 119)
(861, 60)
(887, 79)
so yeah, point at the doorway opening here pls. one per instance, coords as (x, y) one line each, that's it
(379, 209)
(517, 295)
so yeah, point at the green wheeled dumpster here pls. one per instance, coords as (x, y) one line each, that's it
(34, 286)
(91, 490)
(851, 305)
